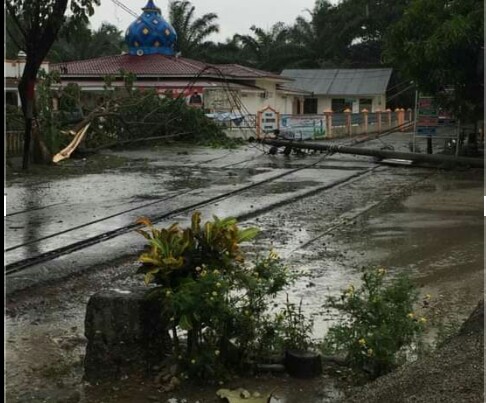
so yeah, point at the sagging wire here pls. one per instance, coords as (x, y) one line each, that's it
(235, 102)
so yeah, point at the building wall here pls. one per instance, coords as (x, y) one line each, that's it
(253, 100)
(275, 99)
(11, 69)
(15, 68)
(219, 100)
(284, 103)
(324, 102)
(379, 102)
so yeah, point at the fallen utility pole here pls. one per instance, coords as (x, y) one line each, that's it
(382, 154)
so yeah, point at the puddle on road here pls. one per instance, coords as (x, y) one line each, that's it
(435, 235)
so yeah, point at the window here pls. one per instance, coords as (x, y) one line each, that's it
(365, 103)
(340, 104)
(11, 98)
(310, 106)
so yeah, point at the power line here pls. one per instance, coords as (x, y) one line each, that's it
(125, 8)
(400, 92)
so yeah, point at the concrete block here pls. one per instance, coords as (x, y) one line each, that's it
(127, 333)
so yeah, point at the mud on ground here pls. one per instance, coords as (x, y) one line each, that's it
(453, 373)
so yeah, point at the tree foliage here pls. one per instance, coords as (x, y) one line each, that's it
(192, 32)
(268, 50)
(76, 41)
(34, 26)
(347, 34)
(221, 301)
(377, 322)
(439, 45)
(127, 114)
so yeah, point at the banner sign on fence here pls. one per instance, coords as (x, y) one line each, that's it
(305, 127)
(427, 116)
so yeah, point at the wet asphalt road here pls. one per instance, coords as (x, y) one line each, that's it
(46, 216)
(326, 221)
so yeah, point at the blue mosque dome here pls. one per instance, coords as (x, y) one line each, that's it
(151, 34)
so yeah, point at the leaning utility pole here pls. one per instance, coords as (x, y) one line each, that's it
(430, 158)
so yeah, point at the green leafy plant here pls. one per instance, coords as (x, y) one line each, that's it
(70, 98)
(379, 322)
(216, 302)
(48, 121)
(134, 114)
(445, 330)
(296, 328)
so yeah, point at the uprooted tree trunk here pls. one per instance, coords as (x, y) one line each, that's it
(138, 117)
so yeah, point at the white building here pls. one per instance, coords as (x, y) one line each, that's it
(340, 89)
(12, 72)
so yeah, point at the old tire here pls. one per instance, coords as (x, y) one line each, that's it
(303, 364)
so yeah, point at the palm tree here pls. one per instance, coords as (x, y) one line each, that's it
(192, 32)
(270, 50)
(227, 52)
(305, 36)
(347, 34)
(82, 43)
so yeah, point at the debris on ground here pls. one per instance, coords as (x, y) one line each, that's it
(241, 395)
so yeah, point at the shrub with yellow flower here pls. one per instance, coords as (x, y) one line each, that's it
(381, 313)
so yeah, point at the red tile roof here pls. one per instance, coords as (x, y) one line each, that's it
(155, 65)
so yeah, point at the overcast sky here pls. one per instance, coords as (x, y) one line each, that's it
(235, 16)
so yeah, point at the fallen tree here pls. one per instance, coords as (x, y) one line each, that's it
(123, 116)
(132, 115)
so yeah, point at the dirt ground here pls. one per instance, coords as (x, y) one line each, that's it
(453, 373)
(426, 222)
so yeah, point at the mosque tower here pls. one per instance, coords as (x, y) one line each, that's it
(151, 34)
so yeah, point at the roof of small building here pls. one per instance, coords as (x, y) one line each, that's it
(157, 65)
(339, 81)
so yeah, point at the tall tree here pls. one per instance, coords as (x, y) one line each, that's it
(372, 20)
(192, 32)
(223, 52)
(79, 42)
(12, 32)
(347, 34)
(305, 36)
(439, 45)
(269, 50)
(37, 24)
